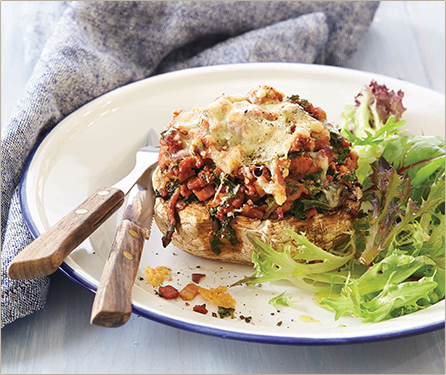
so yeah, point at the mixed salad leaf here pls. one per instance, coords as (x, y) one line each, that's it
(392, 263)
(375, 117)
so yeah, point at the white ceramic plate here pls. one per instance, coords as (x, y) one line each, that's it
(95, 147)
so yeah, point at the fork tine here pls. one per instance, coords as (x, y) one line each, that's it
(152, 138)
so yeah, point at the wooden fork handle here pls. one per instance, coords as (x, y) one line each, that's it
(45, 255)
(112, 305)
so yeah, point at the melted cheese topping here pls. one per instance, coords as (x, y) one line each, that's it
(258, 129)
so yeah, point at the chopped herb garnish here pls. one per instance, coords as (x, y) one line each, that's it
(270, 207)
(349, 177)
(294, 187)
(316, 176)
(167, 238)
(342, 155)
(215, 244)
(224, 312)
(232, 186)
(227, 232)
(190, 199)
(171, 187)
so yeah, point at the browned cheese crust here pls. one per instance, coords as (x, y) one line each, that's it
(194, 230)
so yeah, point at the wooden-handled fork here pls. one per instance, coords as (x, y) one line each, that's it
(45, 255)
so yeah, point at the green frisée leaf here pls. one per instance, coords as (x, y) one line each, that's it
(398, 266)
(280, 300)
(439, 278)
(371, 146)
(432, 223)
(298, 261)
(394, 300)
(375, 137)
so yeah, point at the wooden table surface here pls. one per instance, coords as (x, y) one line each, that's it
(407, 41)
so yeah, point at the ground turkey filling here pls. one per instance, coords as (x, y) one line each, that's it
(263, 156)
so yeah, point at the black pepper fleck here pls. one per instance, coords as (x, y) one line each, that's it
(279, 324)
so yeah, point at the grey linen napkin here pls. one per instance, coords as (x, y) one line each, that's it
(81, 50)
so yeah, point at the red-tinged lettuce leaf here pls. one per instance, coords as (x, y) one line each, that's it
(387, 102)
(393, 210)
(374, 105)
(416, 157)
(419, 158)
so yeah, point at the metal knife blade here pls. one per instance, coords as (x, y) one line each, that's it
(45, 255)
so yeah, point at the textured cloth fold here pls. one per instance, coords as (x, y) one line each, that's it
(81, 50)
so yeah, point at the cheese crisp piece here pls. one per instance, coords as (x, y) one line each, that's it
(156, 276)
(218, 296)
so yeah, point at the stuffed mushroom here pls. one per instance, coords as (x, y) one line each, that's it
(256, 163)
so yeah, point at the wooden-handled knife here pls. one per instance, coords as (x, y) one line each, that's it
(112, 305)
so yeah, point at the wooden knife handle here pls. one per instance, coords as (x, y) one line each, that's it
(112, 305)
(44, 255)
